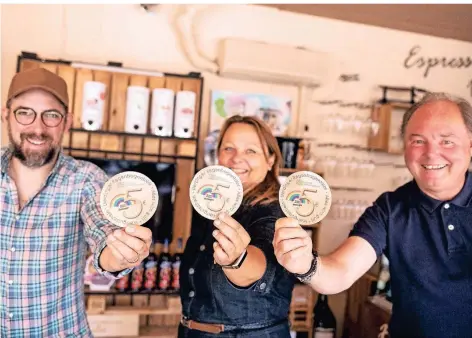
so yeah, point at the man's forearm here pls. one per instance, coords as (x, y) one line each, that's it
(337, 271)
(330, 277)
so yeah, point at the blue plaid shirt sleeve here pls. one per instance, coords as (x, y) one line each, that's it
(96, 226)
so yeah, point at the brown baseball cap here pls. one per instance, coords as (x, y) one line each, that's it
(39, 78)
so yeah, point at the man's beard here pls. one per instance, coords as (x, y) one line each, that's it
(32, 159)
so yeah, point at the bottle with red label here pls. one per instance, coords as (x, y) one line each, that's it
(137, 277)
(150, 270)
(176, 266)
(165, 267)
(122, 284)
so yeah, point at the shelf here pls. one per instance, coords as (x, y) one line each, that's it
(130, 293)
(125, 153)
(143, 310)
(351, 189)
(119, 133)
(288, 171)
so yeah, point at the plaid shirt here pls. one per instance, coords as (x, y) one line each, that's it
(43, 249)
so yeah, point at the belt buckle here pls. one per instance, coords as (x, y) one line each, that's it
(184, 321)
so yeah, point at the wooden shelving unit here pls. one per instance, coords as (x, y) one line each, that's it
(388, 112)
(112, 142)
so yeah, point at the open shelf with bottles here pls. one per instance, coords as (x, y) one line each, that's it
(113, 292)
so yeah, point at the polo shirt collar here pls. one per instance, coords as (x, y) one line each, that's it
(430, 204)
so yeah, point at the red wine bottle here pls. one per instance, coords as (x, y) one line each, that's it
(165, 268)
(176, 266)
(324, 323)
(150, 271)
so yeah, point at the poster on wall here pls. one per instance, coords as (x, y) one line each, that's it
(275, 111)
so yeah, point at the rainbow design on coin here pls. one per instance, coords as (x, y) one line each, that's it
(215, 189)
(206, 189)
(296, 196)
(120, 202)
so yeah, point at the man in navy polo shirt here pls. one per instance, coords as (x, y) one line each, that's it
(424, 228)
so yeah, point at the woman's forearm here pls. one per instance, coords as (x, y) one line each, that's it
(251, 270)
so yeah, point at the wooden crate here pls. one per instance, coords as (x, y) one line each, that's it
(145, 315)
(114, 325)
(301, 309)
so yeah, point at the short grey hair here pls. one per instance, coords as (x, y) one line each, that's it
(464, 107)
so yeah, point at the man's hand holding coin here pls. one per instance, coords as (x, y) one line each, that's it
(305, 198)
(231, 239)
(127, 200)
(292, 246)
(126, 248)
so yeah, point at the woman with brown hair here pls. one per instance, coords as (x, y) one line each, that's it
(231, 282)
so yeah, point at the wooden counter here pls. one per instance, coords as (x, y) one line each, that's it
(374, 318)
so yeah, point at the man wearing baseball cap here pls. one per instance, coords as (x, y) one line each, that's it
(49, 211)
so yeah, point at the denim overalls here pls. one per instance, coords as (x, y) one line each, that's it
(260, 310)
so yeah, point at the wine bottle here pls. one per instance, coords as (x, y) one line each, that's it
(122, 284)
(176, 266)
(150, 270)
(324, 323)
(165, 268)
(137, 276)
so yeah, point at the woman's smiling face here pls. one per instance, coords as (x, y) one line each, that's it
(242, 151)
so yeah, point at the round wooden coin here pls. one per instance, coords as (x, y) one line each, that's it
(216, 189)
(129, 198)
(306, 197)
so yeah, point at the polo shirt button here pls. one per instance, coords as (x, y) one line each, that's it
(262, 286)
(202, 247)
(446, 206)
(191, 294)
(191, 271)
(450, 227)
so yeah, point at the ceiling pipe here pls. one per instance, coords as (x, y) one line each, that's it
(184, 28)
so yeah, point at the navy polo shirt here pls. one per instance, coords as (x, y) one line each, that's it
(429, 246)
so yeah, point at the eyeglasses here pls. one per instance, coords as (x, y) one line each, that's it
(26, 116)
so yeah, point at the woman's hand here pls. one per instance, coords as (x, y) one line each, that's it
(231, 240)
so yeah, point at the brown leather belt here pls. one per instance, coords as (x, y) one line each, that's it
(205, 327)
